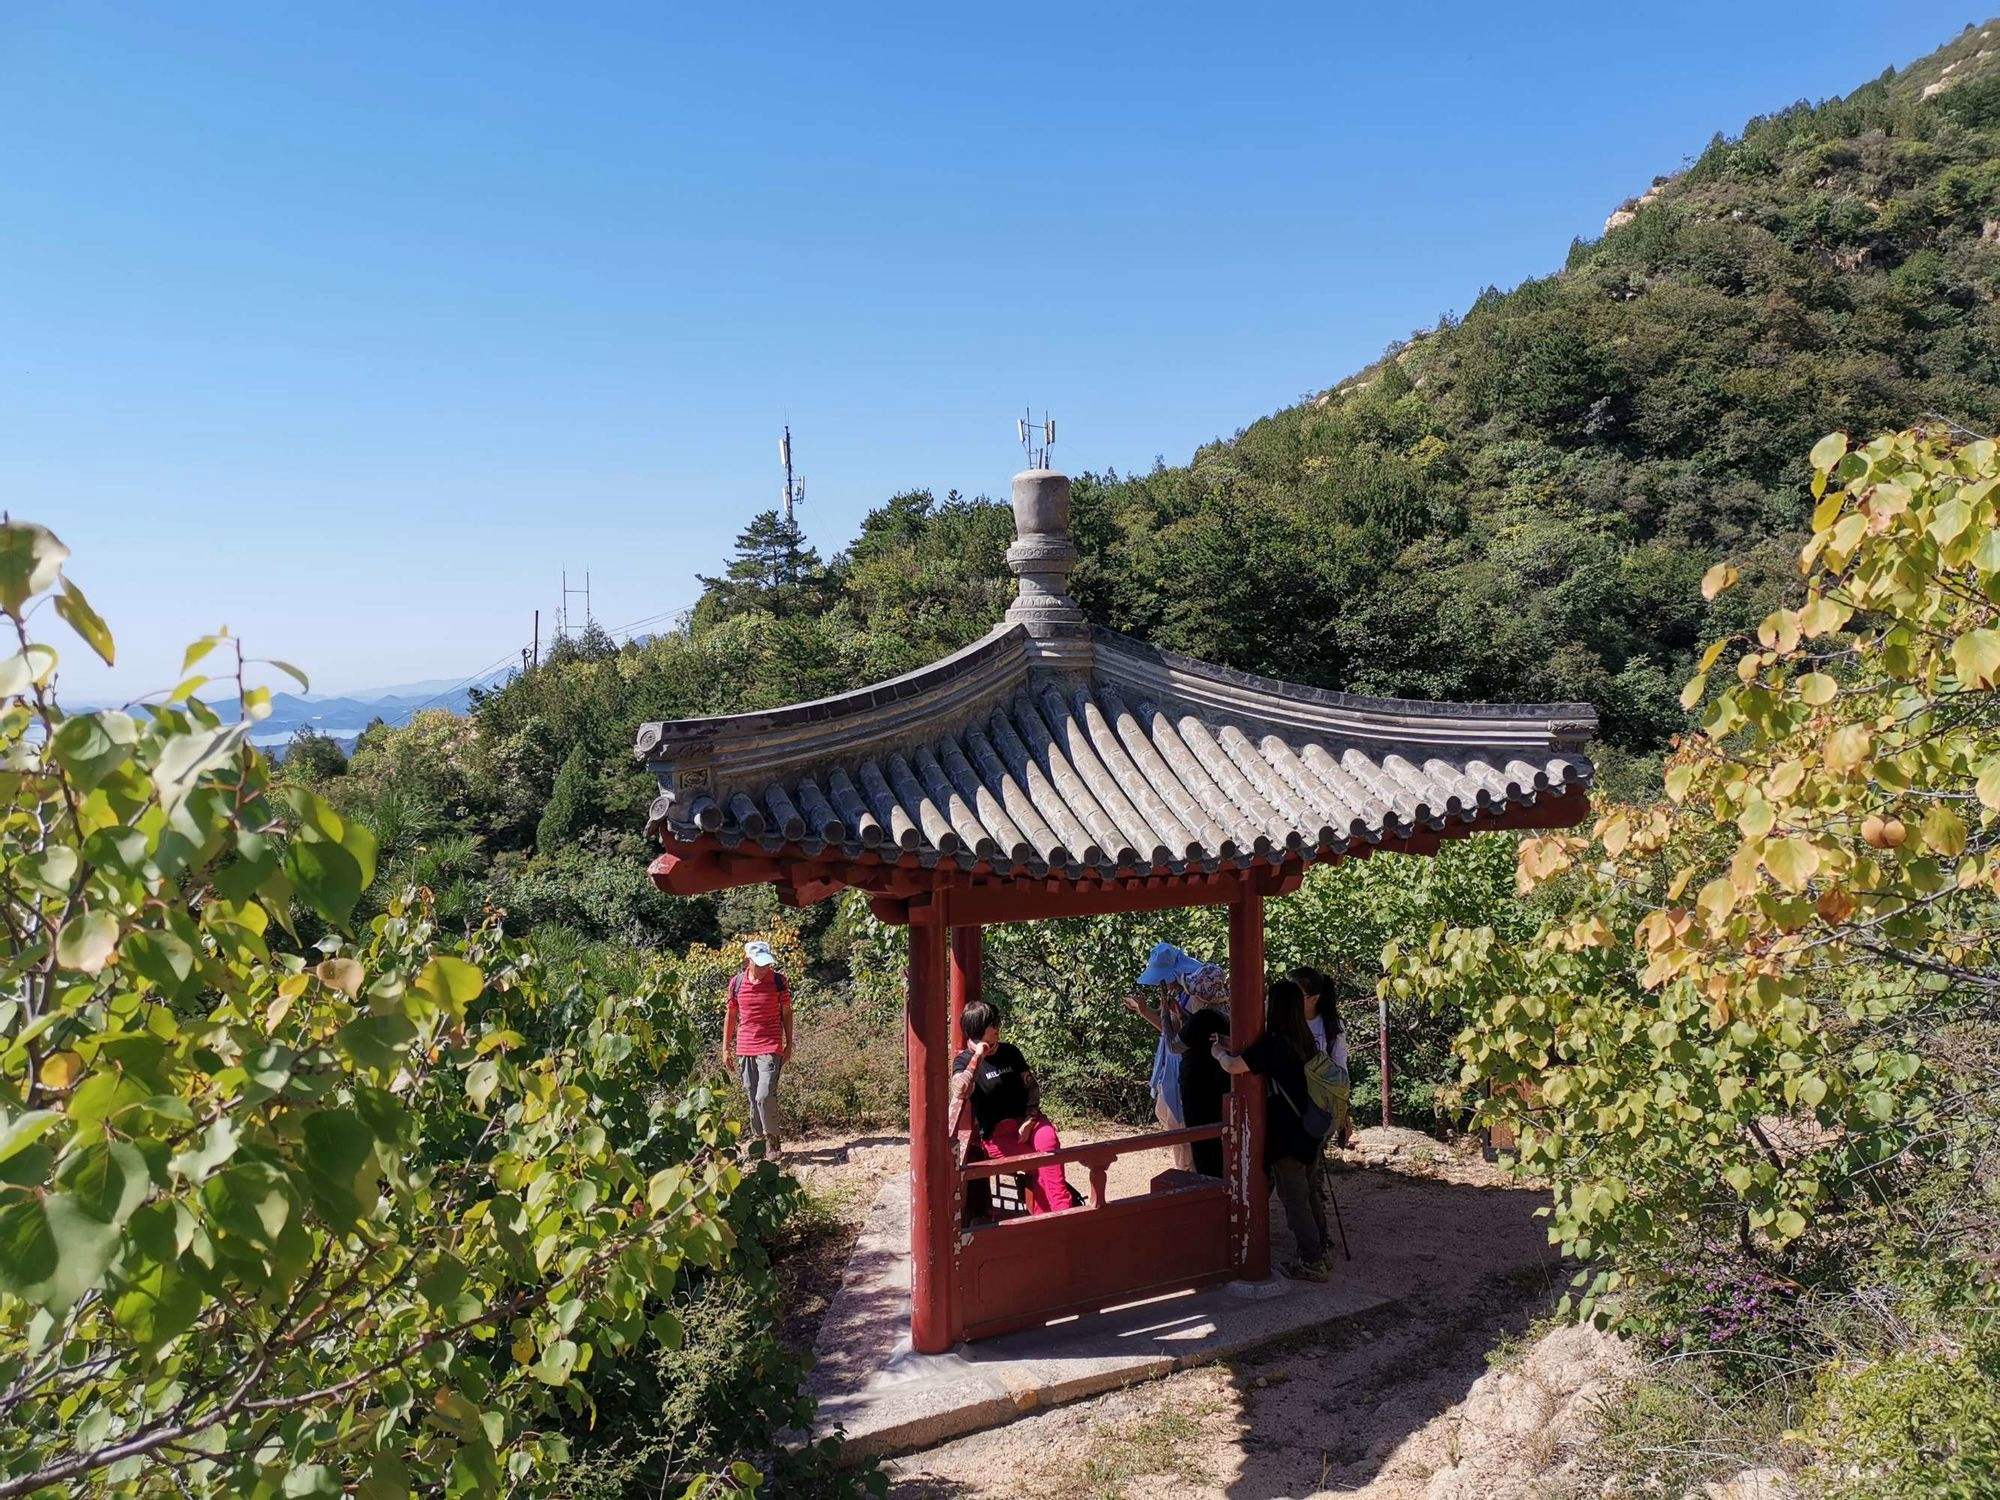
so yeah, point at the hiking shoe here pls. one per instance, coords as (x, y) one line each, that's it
(1308, 1270)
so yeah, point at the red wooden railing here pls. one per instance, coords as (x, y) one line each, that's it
(1095, 1156)
(1021, 1271)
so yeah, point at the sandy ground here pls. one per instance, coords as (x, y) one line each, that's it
(1372, 1407)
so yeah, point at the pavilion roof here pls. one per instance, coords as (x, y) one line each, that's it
(1054, 749)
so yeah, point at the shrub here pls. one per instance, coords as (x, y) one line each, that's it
(272, 1219)
(1919, 1425)
(846, 1074)
(728, 1390)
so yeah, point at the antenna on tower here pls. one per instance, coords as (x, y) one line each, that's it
(1036, 438)
(795, 489)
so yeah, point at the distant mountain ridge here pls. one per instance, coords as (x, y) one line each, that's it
(425, 688)
(344, 716)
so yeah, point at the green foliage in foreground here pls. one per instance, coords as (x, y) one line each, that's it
(356, 1219)
(1754, 1050)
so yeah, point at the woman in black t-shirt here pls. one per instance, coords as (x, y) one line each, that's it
(1290, 1154)
(1007, 1111)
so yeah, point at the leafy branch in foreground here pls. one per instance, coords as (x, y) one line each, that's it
(282, 1220)
(1773, 998)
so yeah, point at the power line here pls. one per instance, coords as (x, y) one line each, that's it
(486, 671)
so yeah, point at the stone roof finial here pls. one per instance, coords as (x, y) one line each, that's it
(1042, 556)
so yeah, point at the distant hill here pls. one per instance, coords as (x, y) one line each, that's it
(426, 688)
(343, 717)
(1518, 503)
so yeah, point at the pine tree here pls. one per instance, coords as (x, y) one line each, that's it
(573, 806)
(773, 569)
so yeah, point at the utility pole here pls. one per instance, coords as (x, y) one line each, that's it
(536, 659)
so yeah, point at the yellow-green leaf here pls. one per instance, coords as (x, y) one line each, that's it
(1822, 616)
(1791, 861)
(1847, 747)
(201, 648)
(343, 974)
(451, 982)
(1756, 819)
(1817, 688)
(87, 942)
(1943, 831)
(86, 622)
(1717, 578)
(1988, 786)
(1949, 520)
(31, 558)
(1829, 450)
(1976, 656)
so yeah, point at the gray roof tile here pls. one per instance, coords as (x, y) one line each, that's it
(1152, 763)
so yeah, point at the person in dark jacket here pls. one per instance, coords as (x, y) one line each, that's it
(1204, 1084)
(1291, 1154)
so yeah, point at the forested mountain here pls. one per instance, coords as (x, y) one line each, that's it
(1516, 504)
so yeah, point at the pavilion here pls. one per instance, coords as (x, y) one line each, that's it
(1053, 769)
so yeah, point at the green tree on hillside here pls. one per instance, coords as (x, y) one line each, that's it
(573, 805)
(773, 570)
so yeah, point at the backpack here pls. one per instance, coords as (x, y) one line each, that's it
(1328, 1087)
(1326, 1096)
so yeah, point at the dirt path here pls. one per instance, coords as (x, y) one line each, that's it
(1347, 1414)
(1375, 1407)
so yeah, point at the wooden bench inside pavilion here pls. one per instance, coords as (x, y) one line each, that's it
(1056, 769)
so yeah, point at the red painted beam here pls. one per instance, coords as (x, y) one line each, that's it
(1090, 1151)
(987, 904)
(968, 974)
(699, 868)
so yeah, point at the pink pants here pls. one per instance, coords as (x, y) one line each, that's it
(1048, 1192)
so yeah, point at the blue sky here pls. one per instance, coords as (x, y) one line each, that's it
(351, 326)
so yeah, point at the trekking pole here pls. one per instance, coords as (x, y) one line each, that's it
(1345, 1253)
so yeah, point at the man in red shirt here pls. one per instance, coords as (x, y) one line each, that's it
(757, 1036)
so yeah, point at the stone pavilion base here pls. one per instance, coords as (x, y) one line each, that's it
(1407, 1233)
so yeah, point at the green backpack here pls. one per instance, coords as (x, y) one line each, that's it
(1327, 1091)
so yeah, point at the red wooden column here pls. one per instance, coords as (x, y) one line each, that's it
(933, 1190)
(968, 977)
(1249, 1191)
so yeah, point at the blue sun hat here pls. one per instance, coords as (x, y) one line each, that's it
(1168, 962)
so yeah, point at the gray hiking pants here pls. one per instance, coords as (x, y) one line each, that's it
(1299, 1189)
(760, 1083)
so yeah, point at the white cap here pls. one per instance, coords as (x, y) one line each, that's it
(759, 953)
